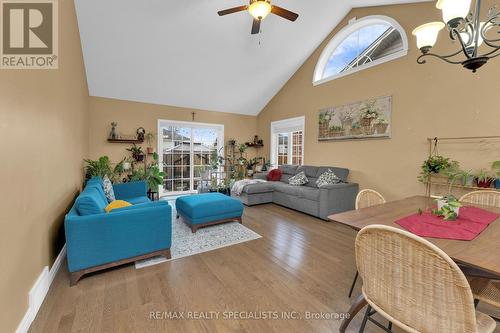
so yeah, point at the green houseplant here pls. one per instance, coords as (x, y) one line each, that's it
(483, 178)
(433, 166)
(137, 152)
(102, 167)
(152, 174)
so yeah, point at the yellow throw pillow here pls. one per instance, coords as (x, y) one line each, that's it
(116, 204)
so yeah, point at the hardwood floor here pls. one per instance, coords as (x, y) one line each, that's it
(301, 264)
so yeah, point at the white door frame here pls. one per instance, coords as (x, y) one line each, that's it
(287, 126)
(162, 123)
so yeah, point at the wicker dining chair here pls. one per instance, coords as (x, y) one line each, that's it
(366, 198)
(484, 289)
(414, 284)
(484, 198)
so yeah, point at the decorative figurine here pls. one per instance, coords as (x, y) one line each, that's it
(140, 133)
(113, 135)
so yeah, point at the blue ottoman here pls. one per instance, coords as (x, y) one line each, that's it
(201, 210)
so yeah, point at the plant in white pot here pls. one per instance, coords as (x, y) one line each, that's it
(448, 206)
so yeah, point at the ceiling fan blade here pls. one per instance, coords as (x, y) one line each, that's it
(232, 10)
(256, 26)
(284, 13)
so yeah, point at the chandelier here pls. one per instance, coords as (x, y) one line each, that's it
(467, 29)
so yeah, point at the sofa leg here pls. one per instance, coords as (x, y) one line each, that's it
(240, 220)
(194, 229)
(177, 216)
(74, 278)
(167, 254)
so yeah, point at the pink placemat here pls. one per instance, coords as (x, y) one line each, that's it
(469, 224)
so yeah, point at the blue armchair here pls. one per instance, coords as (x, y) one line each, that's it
(97, 240)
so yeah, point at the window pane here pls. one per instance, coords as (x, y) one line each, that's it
(364, 46)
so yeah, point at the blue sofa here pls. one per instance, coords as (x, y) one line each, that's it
(97, 240)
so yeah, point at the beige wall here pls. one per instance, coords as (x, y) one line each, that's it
(429, 100)
(131, 115)
(43, 130)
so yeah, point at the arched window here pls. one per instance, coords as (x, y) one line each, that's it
(363, 43)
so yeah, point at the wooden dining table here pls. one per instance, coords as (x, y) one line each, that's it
(481, 255)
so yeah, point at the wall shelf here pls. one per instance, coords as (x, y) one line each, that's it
(125, 141)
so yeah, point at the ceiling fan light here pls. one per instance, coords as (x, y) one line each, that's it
(454, 10)
(427, 34)
(259, 9)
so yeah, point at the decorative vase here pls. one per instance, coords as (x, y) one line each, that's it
(497, 183)
(150, 150)
(468, 181)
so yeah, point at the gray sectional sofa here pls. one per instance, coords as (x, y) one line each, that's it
(319, 202)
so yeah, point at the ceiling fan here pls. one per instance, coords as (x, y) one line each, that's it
(259, 9)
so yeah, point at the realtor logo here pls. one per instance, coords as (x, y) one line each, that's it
(28, 34)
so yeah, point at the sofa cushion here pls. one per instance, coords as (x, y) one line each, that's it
(310, 171)
(259, 188)
(274, 175)
(138, 200)
(342, 173)
(298, 191)
(98, 186)
(288, 169)
(299, 179)
(90, 202)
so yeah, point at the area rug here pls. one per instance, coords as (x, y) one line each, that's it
(185, 243)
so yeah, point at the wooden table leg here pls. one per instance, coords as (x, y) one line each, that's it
(356, 306)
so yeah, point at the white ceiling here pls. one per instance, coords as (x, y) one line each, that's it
(181, 53)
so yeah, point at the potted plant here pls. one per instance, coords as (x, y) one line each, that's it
(483, 179)
(102, 167)
(250, 165)
(137, 152)
(448, 208)
(496, 169)
(467, 178)
(266, 165)
(152, 174)
(242, 148)
(149, 139)
(433, 166)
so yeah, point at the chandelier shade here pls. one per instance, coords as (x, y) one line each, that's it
(427, 34)
(465, 29)
(454, 10)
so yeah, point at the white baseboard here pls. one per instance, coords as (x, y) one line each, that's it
(39, 290)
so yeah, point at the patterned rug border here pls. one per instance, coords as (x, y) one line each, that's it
(159, 260)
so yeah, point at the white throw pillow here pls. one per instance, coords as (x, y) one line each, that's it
(299, 179)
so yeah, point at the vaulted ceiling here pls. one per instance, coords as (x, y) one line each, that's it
(181, 53)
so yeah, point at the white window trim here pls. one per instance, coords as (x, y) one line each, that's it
(163, 123)
(355, 24)
(297, 122)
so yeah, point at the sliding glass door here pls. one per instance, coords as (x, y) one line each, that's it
(186, 152)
